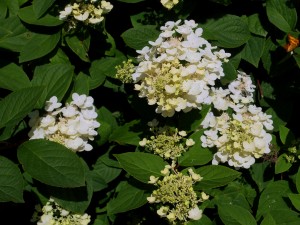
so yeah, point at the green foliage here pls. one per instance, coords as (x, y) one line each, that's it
(44, 56)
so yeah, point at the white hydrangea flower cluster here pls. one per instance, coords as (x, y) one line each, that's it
(87, 11)
(240, 137)
(169, 4)
(53, 214)
(167, 142)
(177, 72)
(176, 196)
(72, 125)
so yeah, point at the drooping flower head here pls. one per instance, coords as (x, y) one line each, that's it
(177, 72)
(72, 125)
(178, 202)
(54, 214)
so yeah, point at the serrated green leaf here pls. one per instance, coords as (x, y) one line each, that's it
(138, 37)
(81, 84)
(79, 45)
(128, 198)
(215, 176)
(282, 14)
(12, 77)
(272, 198)
(196, 154)
(282, 165)
(28, 15)
(15, 106)
(255, 26)
(230, 73)
(55, 77)
(11, 182)
(107, 173)
(141, 165)
(42, 43)
(229, 32)
(253, 50)
(268, 220)
(235, 215)
(41, 6)
(295, 199)
(51, 163)
(126, 134)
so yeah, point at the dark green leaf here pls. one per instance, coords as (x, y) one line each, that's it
(15, 106)
(253, 50)
(235, 215)
(282, 165)
(295, 199)
(12, 6)
(41, 6)
(215, 176)
(141, 165)
(52, 163)
(196, 155)
(79, 45)
(285, 217)
(12, 77)
(138, 37)
(81, 85)
(230, 31)
(255, 26)
(11, 182)
(128, 198)
(268, 220)
(28, 15)
(230, 73)
(281, 14)
(42, 43)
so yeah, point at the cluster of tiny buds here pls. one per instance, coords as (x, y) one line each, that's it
(86, 11)
(54, 214)
(176, 196)
(167, 142)
(72, 125)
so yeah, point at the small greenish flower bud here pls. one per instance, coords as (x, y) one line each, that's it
(125, 71)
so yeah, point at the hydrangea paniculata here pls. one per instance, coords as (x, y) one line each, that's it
(54, 214)
(177, 72)
(176, 196)
(86, 11)
(72, 125)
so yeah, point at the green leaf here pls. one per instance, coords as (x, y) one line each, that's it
(268, 220)
(81, 84)
(11, 182)
(127, 134)
(192, 120)
(229, 32)
(235, 215)
(28, 15)
(60, 57)
(285, 217)
(298, 180)
(12, 77)
(215, 176)
(196, 155)
(141, 165)
(104, 67)
(266, 57)
(295, 199)
(282, 165)
(203, 221)
(272, 198)
(55, 77)
(15, 106)
(77, 199)
(138, 37)
(277, 121)
(281, 14)
(42, 43)
(51, 163)
(230, 73)
(79, 45)
(255, 26)
(41, 6)
(286, 136)
(129, 197)
(258, 171)
(253, 50)
(12, 6)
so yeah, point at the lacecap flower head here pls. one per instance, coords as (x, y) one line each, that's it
(86, 11)
(177, 200)
(177, 72)
(72, 125)
(54, 214)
